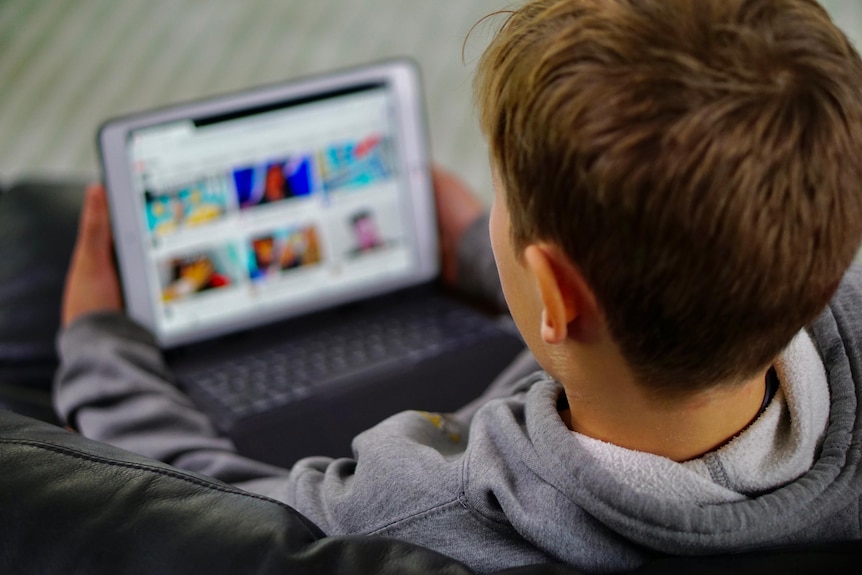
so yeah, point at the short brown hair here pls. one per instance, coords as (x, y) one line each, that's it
(698, 160)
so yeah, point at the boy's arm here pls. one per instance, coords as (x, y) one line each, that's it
(477, 276)
(112, 384)
(468, 261)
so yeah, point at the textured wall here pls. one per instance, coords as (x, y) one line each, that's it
(66, 65)
(848, 15)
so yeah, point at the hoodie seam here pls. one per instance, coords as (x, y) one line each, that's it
(717, 471)
(464, 499)
(499, 525)
(435, 510)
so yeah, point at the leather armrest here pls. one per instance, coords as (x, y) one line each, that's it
(38, 224)
(71, 505)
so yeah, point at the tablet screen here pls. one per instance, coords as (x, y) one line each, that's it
(273, 207)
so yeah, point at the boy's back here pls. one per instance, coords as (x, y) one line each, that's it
(677, 199)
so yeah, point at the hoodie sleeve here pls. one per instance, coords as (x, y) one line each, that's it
(477, 270)
(114, 386)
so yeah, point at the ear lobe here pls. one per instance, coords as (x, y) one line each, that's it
(552, 332)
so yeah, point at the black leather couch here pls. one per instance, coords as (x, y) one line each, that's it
(71, 505)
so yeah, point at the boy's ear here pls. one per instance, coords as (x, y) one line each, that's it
(569, 308)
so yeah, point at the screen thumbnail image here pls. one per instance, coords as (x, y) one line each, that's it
(198, 272)
(282, 250)
(357, 164)
(186, 206)
(273, 181)
(369, 230)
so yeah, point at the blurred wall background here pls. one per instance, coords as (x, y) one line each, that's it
(848, 15)
(66, 65)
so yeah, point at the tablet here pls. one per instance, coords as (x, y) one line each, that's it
(245, 209)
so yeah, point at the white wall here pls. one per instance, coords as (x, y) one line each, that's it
(848, 15)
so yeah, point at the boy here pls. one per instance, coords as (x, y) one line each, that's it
(677, 196)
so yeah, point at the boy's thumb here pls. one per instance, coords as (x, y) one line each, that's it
(94, 231)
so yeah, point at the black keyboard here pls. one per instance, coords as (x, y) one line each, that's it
(292, 368)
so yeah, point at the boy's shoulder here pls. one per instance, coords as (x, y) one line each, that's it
(838, 330)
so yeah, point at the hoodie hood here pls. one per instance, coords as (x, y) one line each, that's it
(792, 476)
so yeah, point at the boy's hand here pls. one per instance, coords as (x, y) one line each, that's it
(457, 208)
(92, 283)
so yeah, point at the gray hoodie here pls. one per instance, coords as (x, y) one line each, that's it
(503, 482)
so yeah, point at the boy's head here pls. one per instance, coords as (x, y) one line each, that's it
(696, 160)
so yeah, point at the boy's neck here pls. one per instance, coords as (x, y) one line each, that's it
(606, 403)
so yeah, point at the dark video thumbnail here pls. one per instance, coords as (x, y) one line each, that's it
(273, 181)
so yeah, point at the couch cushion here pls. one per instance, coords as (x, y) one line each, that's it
(38, 223)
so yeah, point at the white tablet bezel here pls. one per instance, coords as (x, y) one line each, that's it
(130, 235)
